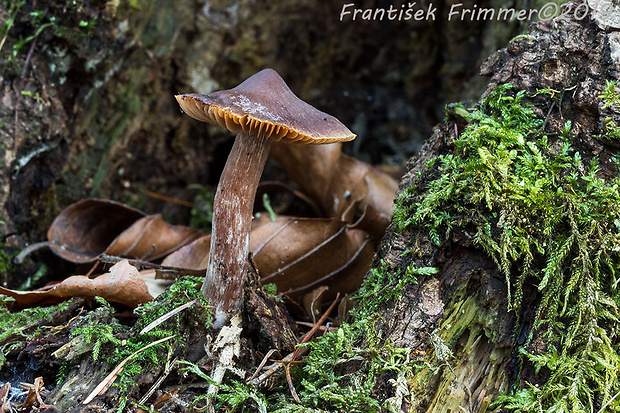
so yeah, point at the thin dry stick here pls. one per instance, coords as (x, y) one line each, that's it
(166, 198)
(262, 363)
(107, 382)
(92, 270)
(6, 34)
(279, 364)
(29, 250)
(56, 329)
(322, 328)
(167, 316)
(159, 381)
(608, 402)
(141, 264)
(291, 386)
(304, 341)
(38, 386)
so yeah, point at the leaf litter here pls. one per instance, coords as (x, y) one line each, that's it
(310, 260)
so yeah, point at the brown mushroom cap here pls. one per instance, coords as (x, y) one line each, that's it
(264, 103)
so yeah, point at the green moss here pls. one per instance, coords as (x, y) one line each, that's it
(611, 94)
(6, 261)
(610, 98)
(611, 131)
(234, 395)
(201, 214)
(341, 371)
(342, 368)
(179, 293)
(107, 339)
(34, 24)
(546, 218)
(382, 284)
(522, 36)
(21, 326)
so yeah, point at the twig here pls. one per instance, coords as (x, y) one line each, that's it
(608, 402)
(107, 382)
(38, 386)
(92, 269)
(167, 316)
(60, 328)
(161, 378)
(166, 198)
(262, 363)
(29, 250)
(304, 341)
(549, 114)
(141, 264)
(28, 56)
(322, 328)
(279, 364)
(6, 34)
(291, 386)
(34, 395)
(300, 351)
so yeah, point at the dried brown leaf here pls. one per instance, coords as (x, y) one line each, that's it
(84, 229)
(150, 238)
(311, 166)
(192, 256)
(122, 284)
(345, 188)
(88, 228)
(313, 302)
(297, 254)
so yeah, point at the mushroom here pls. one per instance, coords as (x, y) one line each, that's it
(260, 110)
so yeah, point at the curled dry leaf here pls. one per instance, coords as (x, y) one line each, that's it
(346, 188)
(312, 167)
(297, 254)
(84, 229)
(194, 256)
(313, 302)
(90, 227)
(151, 238)
(122, 284)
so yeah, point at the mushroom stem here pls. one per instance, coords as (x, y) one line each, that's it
(232, 221)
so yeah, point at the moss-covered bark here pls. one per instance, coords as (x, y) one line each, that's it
(516, 204)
